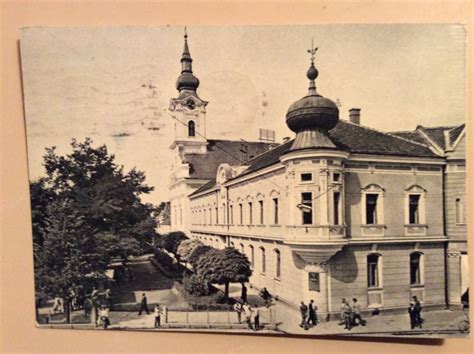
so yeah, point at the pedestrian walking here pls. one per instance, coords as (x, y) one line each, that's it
(248, 314)
(347, 316)
(304, 315)
(413, 316)
(417, 303)
(312, 319)
(243, 295)
(157, 312)
(144, 305)
(256, 319)
(343, 312)
(356, 316)
(238, 309)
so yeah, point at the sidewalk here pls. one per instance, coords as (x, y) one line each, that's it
(288, 321)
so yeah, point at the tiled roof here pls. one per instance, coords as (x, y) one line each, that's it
(411, 135)
(348, 137)
(205, 187)
(435, 134)
(455, 132)
(358, 139)
(204, 166)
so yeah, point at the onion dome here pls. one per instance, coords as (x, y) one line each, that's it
(186, 81)
(312, 116)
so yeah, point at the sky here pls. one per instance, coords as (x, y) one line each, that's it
(114, 83)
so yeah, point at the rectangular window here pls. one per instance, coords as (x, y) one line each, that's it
(336, 177)
(372, 271)
(307, 208)
(264, 261)
(252, 256)
(275, 211)
(241, 212)
(231, 214)
(306, 177)
(459, 211)
(371, 208)
(217, 216)
(414, 206)
(260, 202)
(277, 264)
(250, 214)
(415, 276)
(336, 208)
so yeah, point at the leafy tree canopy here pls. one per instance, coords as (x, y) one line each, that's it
(224, 267)
(186, 247)
(85, 211)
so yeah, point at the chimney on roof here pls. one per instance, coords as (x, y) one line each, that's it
(354, 115)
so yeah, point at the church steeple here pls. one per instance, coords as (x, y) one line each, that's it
(187, 81)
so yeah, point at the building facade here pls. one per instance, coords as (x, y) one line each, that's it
(340, 211)
(450, 142)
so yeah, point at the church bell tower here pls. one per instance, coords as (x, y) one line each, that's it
(188, 110)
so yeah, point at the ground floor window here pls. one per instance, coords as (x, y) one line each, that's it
(416, 268)
(373, 271)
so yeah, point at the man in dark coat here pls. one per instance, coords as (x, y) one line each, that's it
(144, 305)
(304, 315)
(312, 313)
(417, 303)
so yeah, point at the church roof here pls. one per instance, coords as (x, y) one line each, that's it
(348, 137)
(204, 166)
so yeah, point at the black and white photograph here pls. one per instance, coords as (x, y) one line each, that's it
(282, 180)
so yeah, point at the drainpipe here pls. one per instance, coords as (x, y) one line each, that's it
(445, 248)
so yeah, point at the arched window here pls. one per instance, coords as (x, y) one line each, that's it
(191, 128)
(252, 256)
(374, 276)
(242, 248)
(277, 264)
(263, 268)
(416, 268)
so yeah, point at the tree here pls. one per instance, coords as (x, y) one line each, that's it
(69, 255)
(106, 196)
(196, 254)
(186, 248)
(85, 211)
(224, 267)
(172, 241)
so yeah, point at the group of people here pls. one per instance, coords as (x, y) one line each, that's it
(308, 314)
(252, 315)
(350, 314)
(157, 311)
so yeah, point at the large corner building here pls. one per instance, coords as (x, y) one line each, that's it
(340, 211)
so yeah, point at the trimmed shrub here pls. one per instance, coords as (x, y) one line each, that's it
(186, 248)
(197, 252)
(172, 241)
(196, 285)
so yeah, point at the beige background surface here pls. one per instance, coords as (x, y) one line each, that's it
(17, 331)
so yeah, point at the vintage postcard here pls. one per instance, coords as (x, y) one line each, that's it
(305, 180)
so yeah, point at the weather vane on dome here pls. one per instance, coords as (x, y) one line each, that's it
(312, 51)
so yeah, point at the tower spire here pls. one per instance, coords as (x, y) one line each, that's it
(187, 81)
(312, 72)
